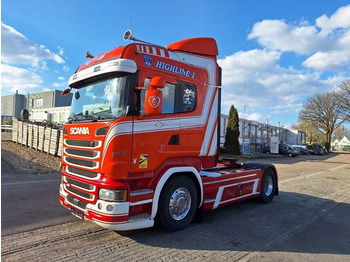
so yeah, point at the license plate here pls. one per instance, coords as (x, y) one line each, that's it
(77, 212)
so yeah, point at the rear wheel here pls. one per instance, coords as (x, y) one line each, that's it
(177, 204)
(268, 186)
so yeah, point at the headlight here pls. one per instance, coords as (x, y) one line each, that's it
(112, 195)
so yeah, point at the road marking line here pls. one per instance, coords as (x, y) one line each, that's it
(311, 175)
(28, 182)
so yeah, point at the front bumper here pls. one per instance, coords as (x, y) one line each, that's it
(110, 215)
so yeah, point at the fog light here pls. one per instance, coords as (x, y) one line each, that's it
(99, 206)
(110, 208)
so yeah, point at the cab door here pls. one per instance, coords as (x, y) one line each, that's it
(156, 138)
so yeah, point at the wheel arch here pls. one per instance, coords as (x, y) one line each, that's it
(171, 173)
(263, 166)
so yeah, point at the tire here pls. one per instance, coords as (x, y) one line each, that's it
(268, 186)
(177, 204)
(290, 154)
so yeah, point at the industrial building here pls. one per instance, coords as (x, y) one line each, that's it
(48, 105)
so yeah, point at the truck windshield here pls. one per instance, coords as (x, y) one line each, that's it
(105, 99)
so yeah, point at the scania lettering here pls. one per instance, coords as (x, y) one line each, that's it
(143, 140)
(79, 131)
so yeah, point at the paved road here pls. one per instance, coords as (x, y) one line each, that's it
(308, 221)
(29, 201)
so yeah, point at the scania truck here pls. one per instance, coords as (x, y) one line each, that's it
(142, 140)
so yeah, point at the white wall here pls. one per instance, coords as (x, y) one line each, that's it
(53, 114)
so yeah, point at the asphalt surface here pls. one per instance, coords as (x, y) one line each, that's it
(29, 201)
(308, 221)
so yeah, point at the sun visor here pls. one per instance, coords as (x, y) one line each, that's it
(111, 66)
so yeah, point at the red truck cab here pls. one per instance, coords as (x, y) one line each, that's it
(142, 139)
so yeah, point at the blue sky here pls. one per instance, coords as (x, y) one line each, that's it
(274, 53)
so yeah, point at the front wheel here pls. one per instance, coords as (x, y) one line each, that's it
(268, 186)
(177, 204)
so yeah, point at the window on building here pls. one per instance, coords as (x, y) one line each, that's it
(39, 102)
(265, 135)
(253, 131)
(54, 117)
(259, 132)
(274, 133)
(62, 115)
(246, 130)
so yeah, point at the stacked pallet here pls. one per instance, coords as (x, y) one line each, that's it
(41, 138)
(30, 135)
(14, 130)
(20, 132)
(35, 136)
(24, 134)
(55, 134)
(60, 145)
(45, 139)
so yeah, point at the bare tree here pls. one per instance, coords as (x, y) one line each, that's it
(344, 96)
(340, 132)
(313, 134)
(326, 112)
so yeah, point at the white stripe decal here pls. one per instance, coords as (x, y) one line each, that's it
(211, 125)
(221, 190)
(214, 142)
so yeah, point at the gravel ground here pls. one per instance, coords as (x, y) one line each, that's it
(25, 160)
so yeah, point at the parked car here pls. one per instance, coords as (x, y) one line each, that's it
(266, 149)
(317, 150)
(288, 150)
(302, 150)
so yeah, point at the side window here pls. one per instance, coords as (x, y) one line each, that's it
(177, 98)
(168, 98)
(185, 97)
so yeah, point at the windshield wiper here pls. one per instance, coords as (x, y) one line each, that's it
(93, 117)
(70, 119)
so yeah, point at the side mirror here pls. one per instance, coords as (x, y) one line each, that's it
(157, 82)
(65, 92)
(154, 97)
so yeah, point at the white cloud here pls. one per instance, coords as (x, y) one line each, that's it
(61, 78)
(65, 68)
(340, 19)
(19, 50)
(278, 35)
(253, 116)
(60, 84)
(61, 50)
(23, 80)
(329, 61)
(326, 43)
(254, 80)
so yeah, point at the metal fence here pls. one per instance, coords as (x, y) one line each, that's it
(42, 138)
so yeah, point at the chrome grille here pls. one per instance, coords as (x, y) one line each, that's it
(81, 162)
(82, 173)
(81, 189)
(82, 153)
(82, 185)
(83, 143)
(79, 193)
